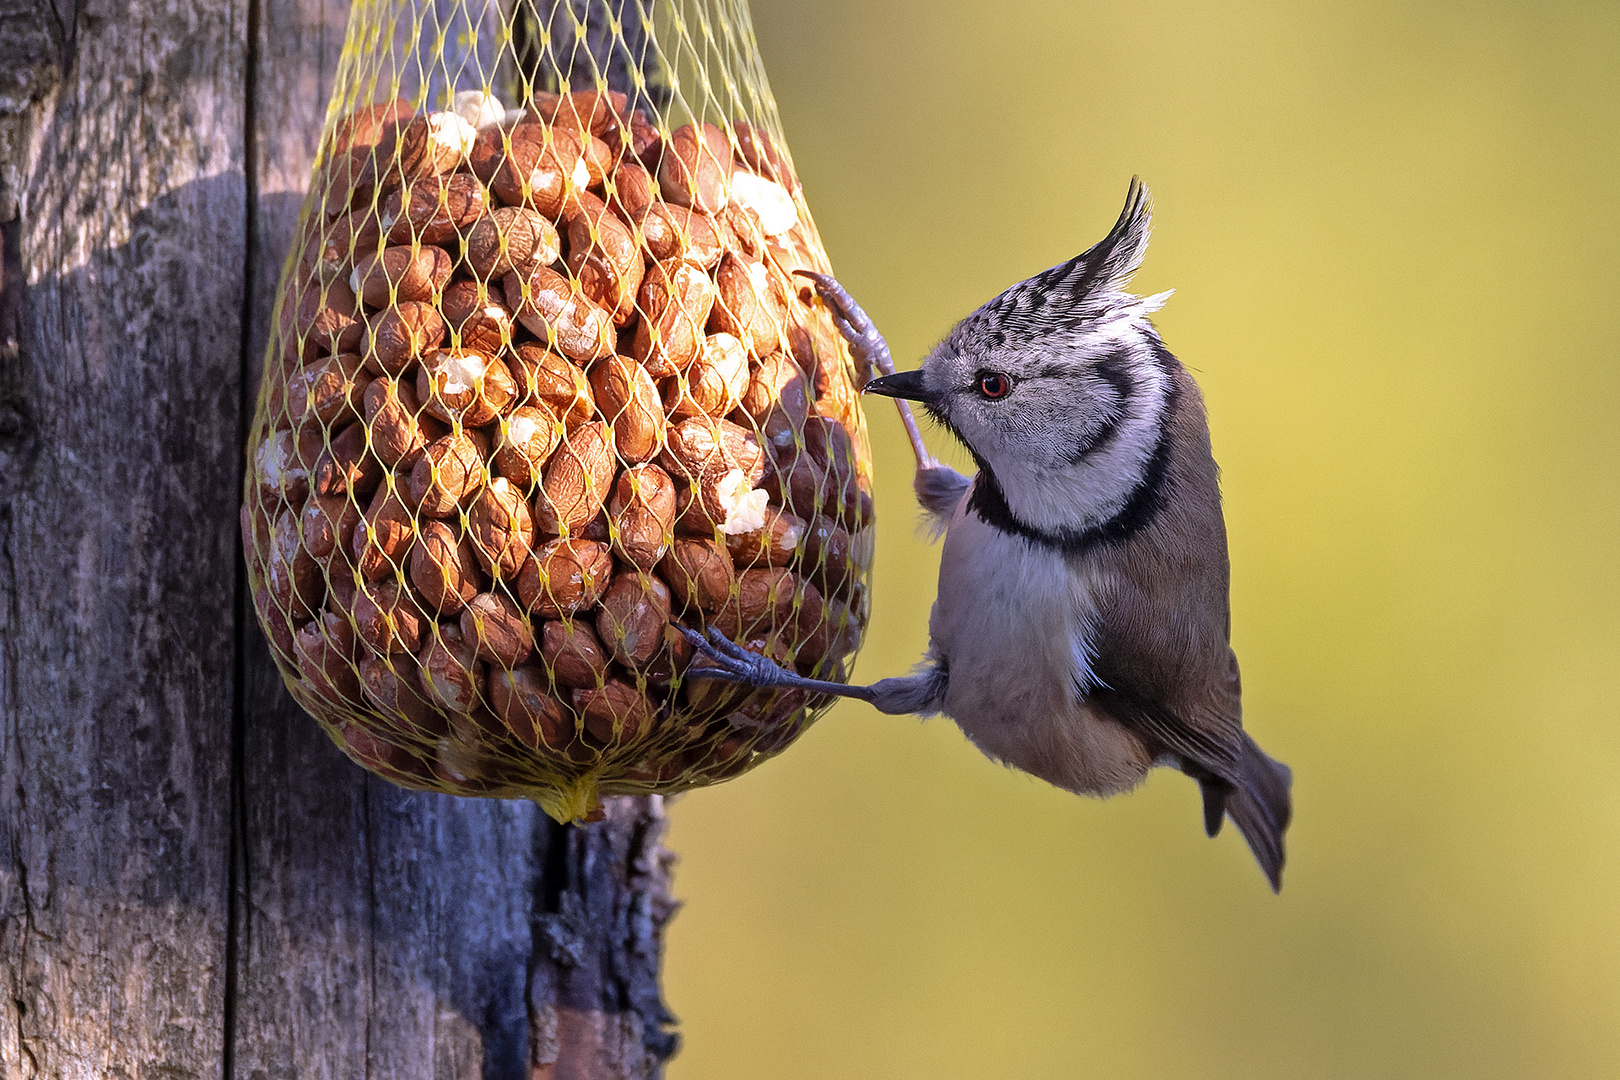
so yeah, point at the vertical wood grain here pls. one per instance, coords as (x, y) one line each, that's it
(193, 881)
(126, 199)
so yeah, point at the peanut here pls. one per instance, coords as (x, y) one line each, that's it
(463, 387)
(696, 168)
(520, 698)
(635, 611)
(328, 392)
(577, 480)
(630, 191)
(324, 650)
(347, 464)
(548, 379)
(713, 384)
(476, 318)
(403, 272)
(572, 653)
(540, 167)
(384, 535)
(446, 475)
(643, 514)
(502, 529)
(706, 447)
(775, 543)
(747, 305)
(554, 311)
(628, 398)
(564, 578)
(678, 234)
(699, 573)
(398, 335)
(603, 255)
(392, 683)
(291, 572)
(511, 239)
(444, 568)
(499, 631)
(615, 713)
(399, 431)
(450, 673)
(434, 209)
(526, 441)
(388, 618)
(677, 300)
(777, 400)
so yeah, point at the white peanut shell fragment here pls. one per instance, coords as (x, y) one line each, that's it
(768, 199)
(452, 134)
(744, 504)
(478, 108)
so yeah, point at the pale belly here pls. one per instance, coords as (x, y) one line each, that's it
(1011, 624)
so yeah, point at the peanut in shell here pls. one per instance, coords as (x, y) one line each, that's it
(572, 653)
(564, 577)
(443, 568)
(498, 630)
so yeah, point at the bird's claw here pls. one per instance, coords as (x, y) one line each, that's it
(727, 661)
(852, 322)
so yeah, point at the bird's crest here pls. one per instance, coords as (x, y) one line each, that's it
(1083, 293)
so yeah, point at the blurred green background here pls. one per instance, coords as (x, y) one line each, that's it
(1393, 231)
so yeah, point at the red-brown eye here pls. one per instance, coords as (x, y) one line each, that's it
(993, 384)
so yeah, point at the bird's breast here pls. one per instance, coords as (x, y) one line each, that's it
(1014, 624)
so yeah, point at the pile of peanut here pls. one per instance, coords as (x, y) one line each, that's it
(544, 388)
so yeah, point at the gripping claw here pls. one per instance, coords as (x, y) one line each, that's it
(729, 662)
(868, 348)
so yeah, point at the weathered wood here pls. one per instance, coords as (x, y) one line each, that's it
(193, 881)
(117, 575)
(594, 999)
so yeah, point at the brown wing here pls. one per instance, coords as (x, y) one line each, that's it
(1162, 656)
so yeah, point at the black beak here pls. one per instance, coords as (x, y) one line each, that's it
(904, 384)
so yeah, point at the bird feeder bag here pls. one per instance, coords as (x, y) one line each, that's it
(542, 388)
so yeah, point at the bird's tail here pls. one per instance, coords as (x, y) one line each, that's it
(1260, 806)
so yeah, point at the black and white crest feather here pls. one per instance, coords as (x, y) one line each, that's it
(1080, 294)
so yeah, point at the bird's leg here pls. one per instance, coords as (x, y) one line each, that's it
(939, 487)
(869, 350)
(921, 692)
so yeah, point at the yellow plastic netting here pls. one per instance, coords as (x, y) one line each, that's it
(543, 386)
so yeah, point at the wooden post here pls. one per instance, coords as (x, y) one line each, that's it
(192, 879)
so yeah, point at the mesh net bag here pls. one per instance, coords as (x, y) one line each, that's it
(542, 387)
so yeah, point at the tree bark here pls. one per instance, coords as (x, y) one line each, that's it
(193, 881)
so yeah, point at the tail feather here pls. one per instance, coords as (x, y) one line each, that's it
(1260, 806)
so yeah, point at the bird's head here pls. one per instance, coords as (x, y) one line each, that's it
(1057, 386)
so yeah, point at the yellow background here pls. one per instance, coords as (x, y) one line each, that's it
(1393, 231)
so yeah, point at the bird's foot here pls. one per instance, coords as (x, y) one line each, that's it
(864, 340)
(868, 348)
(724, 659)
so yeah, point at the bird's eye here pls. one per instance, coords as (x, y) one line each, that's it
(993, 384)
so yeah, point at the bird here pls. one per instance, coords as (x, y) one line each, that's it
(1081, 629)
